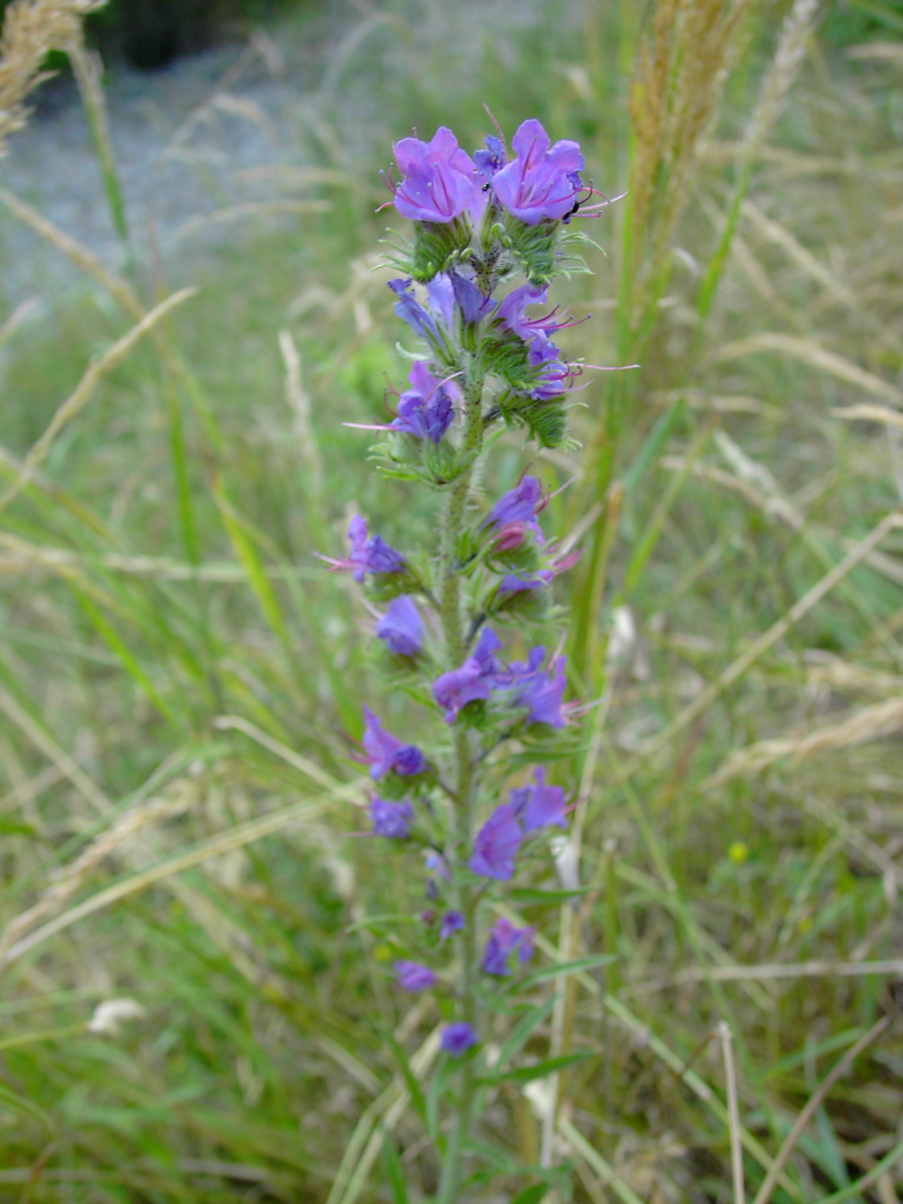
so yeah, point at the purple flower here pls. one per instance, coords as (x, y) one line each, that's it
(539, 691)
(401, 627)
(474, 680)
(425, 410)
(414, 977)
(368, 555)
(411, 311)
(543, 181)
(492, 159)
(457, 1038)
(387, 753)
(471, 302)
(452, 922)
(538, 805)
(512, 584)
(504, 938)
(442, 180)
(442, 297)
(511, 313)
(519, 505)
(496, 845)
(391, 819)
(552, 374)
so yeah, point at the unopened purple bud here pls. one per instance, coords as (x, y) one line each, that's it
(496, 845)
(452, 922)
(492, 159)
(457, 1038)
(412, 976)
(401, 627)
(391, 819)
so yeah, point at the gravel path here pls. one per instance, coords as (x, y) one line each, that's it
(228, 127)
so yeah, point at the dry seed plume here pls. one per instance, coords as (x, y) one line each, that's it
(31, 29)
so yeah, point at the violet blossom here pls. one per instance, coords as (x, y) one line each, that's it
(368, 554)
(452, 922)
(537, 805)
(519, 506)
(490, 160)
(389, 754)
(504, 938)
(475, 679)
(401, 627)
(425, 410)
(391, 819)
(540, 692)
(412, 976)
(543, 182)
(496, 845)
(457, 1038)
(409, 309)
(514, 584)
(553, 375)
(441, 179)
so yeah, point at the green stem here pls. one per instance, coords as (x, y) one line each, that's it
(455, 628)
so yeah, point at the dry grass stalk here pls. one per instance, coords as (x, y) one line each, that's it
(674, 97)
(74, 876)
(31, 29)
(871, 724)
(759, 646)
(766, 1191)
(798, 25)
(79, 398)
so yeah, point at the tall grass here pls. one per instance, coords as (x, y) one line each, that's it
(180, 686)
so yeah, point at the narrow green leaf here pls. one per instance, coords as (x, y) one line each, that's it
(24, 1107)
(652, 445)
(532, 1194)
(520, 1034)
(15, 827)
(414, 1089)
(526, 1074)
(246, 550)
(394, 1170)
(547, 973)
(527, 895)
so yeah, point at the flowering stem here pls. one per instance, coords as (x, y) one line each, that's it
(454, 630)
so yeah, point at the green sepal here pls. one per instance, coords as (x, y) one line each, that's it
(437, 245)
(521, 560)
(534, 247)
(383, 587)
(529, 604)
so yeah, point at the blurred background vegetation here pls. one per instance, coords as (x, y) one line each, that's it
(180, 683)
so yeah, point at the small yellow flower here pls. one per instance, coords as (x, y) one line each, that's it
(383, 953)
(738, 852)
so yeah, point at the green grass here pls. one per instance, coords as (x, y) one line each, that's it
(265, 994)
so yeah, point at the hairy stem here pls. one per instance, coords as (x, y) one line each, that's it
(455, 628)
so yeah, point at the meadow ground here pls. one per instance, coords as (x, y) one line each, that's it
(180, 682)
